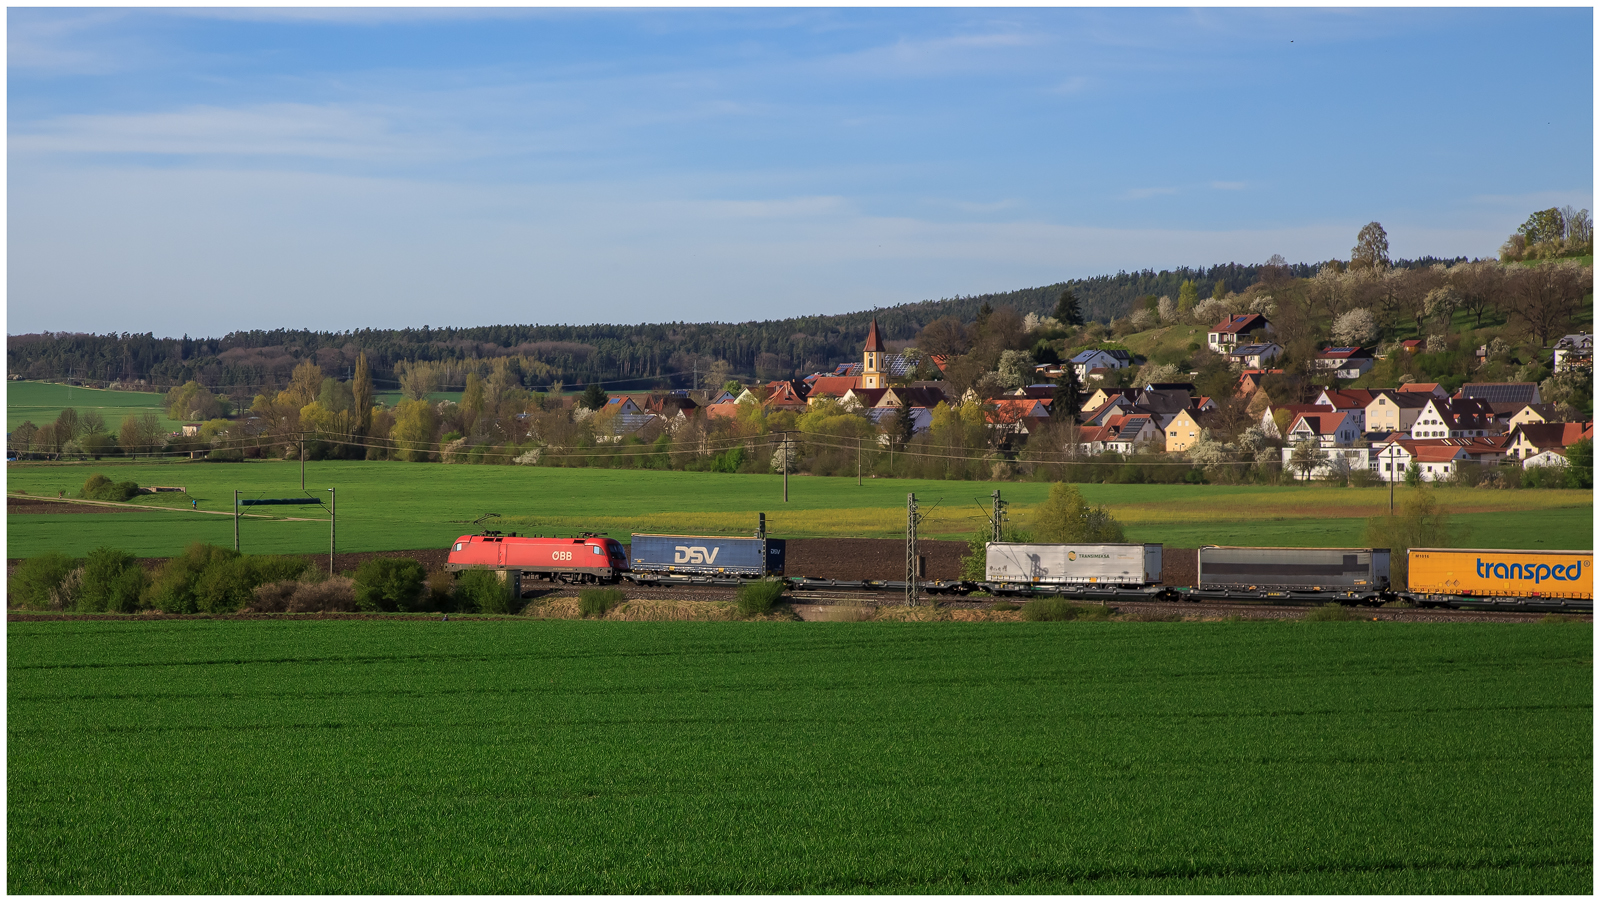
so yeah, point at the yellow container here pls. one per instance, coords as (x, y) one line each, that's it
(1499, 573)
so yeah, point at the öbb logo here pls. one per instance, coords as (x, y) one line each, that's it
(1536, 572)
(694, 554)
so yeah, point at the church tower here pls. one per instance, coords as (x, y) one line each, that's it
(872, 362)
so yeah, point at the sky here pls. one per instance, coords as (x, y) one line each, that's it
(186, 171)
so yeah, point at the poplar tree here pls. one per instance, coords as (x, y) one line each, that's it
(361, 389)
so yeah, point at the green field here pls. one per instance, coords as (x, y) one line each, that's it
(492, 756)
(42, 402)
(386, 506)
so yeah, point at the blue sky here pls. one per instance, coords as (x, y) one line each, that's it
(192, 171)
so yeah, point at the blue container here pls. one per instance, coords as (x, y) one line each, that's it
(706, 555)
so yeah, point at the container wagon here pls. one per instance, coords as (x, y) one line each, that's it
(1338, 574)
(654, 557)
(1461, 576)
(1017, 566)
(585, 559)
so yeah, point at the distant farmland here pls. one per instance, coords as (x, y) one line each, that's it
(392, 506)
(42, 402)
(496, 756)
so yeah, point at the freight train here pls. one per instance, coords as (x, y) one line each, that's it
(1439, 577)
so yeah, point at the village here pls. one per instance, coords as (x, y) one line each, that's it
(1415, 431)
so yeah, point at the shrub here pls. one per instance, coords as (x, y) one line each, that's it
(99, 488)
(759, 597)
(336, 593)
(388, 583)
(174, 589)
(224, 456)
(273, 598)
(482, 592)
(440, 585)
(38, 579)
(596, 602)
(112, 581)
(1330, 611)
(1042, 609)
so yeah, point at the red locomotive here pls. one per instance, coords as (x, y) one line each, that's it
(586, 559)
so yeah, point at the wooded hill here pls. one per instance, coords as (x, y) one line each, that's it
(622, 357)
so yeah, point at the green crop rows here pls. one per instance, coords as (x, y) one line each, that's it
(386, 506)
(490, 756)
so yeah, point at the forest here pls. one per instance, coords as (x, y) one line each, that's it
(241, 365)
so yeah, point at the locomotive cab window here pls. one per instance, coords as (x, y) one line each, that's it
(596, 549)
(458, 546)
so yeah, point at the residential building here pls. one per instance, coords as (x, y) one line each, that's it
(1529, 414)
(1332, 462)
(1501, 392)
(1393, 411)
(1225, 336)
(1573, 352)
(1454, 418)
(1086, 362)
(1131, 431)
(1184, 430)
(1328, 428)
(1102, 395)
(1345, 363)
(1436, 459)
(1250, 380)
(1351, 399)
(1255, 356)
(1530, 439)
(1428, 388)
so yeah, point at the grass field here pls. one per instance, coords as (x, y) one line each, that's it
(42, 402)
(388, 506)
(500, 756)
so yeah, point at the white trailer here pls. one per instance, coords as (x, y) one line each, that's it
(1033, 564)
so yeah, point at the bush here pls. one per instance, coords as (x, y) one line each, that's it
(1330, 611)
(596, 602)
(112, 581)
(482, 592)
(99, 488)
(224, 456)
(758, 597)
(174, 590)
(335, 593)
(227, 585)
(388, 583)
(440, 587)
(38, 580)
(1042, 609)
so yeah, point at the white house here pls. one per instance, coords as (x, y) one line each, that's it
(1224, 336)
(1334, 462)
(1329, 429)
(1345, 363)
(1573, 352)
(1256, 356)
(1095, 358)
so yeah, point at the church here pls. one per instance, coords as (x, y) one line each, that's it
(876, 369)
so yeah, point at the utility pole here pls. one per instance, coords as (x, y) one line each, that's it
(302, 461)
(858, 461)
(786, 468)
(912, 593)
(235, 519)
(999, 515)
(333, 520)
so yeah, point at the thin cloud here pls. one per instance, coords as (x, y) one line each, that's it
(1228, 186)
(1142, 193)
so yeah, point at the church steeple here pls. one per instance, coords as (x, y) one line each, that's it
(872, 359)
